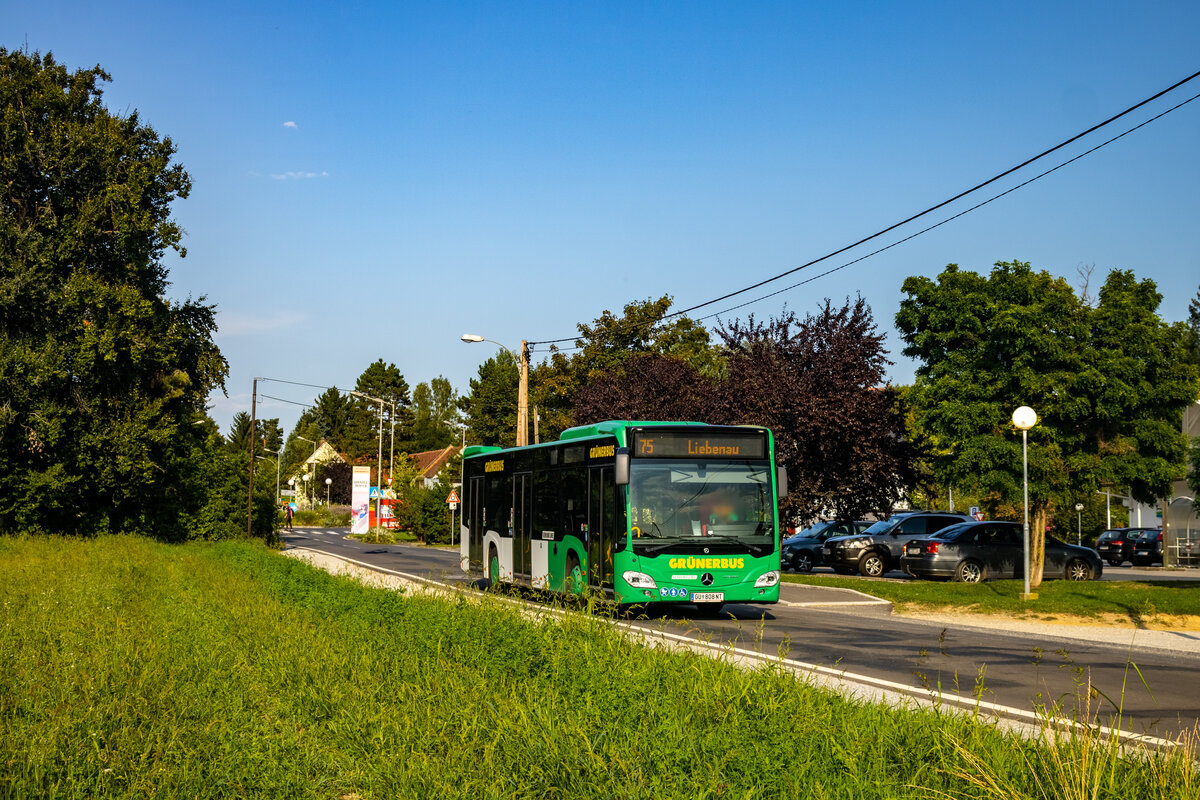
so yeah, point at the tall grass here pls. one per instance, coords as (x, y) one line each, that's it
(132, 669)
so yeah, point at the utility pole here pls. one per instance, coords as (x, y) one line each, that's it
(250, 494)
(523, 397)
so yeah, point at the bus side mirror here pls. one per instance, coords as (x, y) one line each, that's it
(781, 481)
(621, 477)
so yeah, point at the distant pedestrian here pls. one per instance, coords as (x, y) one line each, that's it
(287, 514)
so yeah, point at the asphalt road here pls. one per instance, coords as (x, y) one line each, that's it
(1025, 671)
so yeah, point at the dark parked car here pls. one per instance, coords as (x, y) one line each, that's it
(802, 552)
(1116, 545)
(976, 551)
(1148, 549)
(878, 549)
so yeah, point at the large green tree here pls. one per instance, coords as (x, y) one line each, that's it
(101, 375)
(1108, 383)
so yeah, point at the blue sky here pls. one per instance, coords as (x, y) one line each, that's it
(373, 179)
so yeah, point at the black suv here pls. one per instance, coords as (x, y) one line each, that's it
(802, 552)
(878, 549)
(1116, 545)
(1148, 549)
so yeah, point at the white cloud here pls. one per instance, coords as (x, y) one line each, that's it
(290, 124)
(233, 324)
(298, 176)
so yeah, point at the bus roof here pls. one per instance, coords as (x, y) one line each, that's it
(611, 427)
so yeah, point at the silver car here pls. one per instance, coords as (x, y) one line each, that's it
(979, 551)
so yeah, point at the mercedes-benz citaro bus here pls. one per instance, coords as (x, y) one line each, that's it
(644, 512)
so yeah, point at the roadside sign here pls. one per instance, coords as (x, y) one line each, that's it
(452, 497)
(454, 506)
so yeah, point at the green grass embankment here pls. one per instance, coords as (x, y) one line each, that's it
(133, 669)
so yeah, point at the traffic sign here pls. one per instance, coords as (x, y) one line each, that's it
(452, 497)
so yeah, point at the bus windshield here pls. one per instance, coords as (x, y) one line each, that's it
(682, 500)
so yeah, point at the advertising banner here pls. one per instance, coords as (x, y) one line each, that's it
(360, 500)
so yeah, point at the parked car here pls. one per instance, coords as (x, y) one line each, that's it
(1116, 545)
(1148, 549)
(979, 551)
(878, 549)
(802, 552)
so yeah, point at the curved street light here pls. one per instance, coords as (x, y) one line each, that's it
(1025, 418)
(522, 386)
(391, 456)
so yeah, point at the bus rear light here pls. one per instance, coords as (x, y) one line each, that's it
(639, 580)
(767, 579)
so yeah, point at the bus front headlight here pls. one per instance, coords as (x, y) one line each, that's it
(767, 579)
(639, 580)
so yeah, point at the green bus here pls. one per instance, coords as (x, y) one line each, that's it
(643, 512)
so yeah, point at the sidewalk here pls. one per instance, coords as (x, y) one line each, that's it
(828, 598)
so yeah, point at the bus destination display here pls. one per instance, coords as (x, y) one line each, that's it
(686, 444)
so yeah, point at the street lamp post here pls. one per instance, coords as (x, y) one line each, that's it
(307, 491)
(522, 384)
(312, 466)
(1079, 530)
(328, 481)
(381, 401)
(1025, 418)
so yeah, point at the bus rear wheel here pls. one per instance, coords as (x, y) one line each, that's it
(493, 568)
(575, 580)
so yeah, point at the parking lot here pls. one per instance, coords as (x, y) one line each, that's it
(1125, 573)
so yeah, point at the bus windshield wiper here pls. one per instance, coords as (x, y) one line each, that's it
(647, 549)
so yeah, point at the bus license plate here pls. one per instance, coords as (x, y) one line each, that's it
(708, 597)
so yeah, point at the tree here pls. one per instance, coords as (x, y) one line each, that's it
(435, 415)
(651, 387)
(817, 382)
(341, 476)
(102, 377)
(268, 432)
(491, 407)
(1109, 384)
(605, 347)
(1193, 476)
(1193, 328)
(362, 435)
(329, 417)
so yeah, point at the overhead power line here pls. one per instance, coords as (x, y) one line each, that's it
(281, 400)
(979, 205)
(927, 211)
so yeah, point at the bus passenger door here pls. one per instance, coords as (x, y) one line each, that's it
(522, 524)
(472, 544)
(601, 523)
